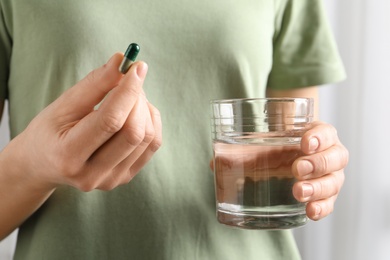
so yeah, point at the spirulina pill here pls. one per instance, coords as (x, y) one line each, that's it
(129, 57)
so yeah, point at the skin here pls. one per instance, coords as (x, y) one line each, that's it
(88, 149)
(102, 149)
(320, 172)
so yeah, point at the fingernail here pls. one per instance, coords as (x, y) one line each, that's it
(304, 167)
(317, 211)
(307, 190)
(313, 144)
(142, 69)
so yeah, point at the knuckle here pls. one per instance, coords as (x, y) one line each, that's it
(91, 179)
(156, 115)
(134, 134)
(155, 111)
(149, 135)
(321, 164)
(127, 177)
(82, 182)
(132, 90)
(68, 166)
(85, 186)
(92, 77)
(109, 181)
(108, 186)
(79, 176)
(156, 144)
(111, 122)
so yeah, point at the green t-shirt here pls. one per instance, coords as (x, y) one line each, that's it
(196, 51)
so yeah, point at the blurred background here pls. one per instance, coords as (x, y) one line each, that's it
(359, 228)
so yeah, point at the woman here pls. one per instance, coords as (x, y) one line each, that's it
(64, 157)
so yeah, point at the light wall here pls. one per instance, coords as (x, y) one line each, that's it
(359, 107)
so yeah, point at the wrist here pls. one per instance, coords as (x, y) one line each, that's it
(17, 171)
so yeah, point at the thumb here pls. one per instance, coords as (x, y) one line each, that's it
(80, 100)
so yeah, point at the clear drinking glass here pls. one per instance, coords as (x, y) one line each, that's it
(255, 143)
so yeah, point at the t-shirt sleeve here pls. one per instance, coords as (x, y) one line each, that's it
(5, 54)
(304, 53)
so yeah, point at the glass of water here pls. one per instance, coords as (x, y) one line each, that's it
(255, 143)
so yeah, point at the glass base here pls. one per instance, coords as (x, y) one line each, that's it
(261, 221)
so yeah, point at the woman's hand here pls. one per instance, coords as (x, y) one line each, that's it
(320, 172)
(74, 144)
(71, 143)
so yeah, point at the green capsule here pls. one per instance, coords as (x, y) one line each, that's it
(129, 57)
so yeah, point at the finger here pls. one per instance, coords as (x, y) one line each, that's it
(154, 145)
(319, 164)
(320, 209)
(122, 172)
(318, 189)
(80, 100)
(122, 144)
(137, 155)
(96, 128)
(127, 169)
(157, 124)
(127, 143)
(318, 138)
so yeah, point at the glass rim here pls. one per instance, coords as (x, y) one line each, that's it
(275, 99)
